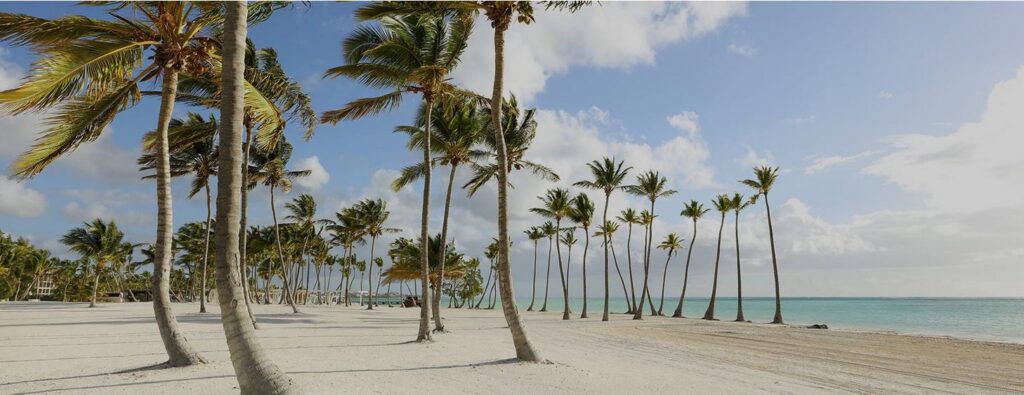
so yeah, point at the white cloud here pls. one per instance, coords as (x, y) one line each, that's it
(560, 40)
(317, 177)
(823, 163)
(754, 159)
(741, 50)
(85, 212)
(18, 200)
(977, 167)
(885, 95)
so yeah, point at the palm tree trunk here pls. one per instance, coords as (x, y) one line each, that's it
(629, 261)
(373, 245)
(775, 265)
(438, 325)
(255, 372)
(604, 222)
(179, 351)
(664, 275)
(739, 275)
(487, 287)
(686, 272)
(424, 331)
(206, 248)
(533, 292)
(547, 280)
(647, 262)
(586, 247)
(615, 260)
(95, 287)
(524, 349)
(561, 270)
(638, 312)
(710, 313)
(280, 251)
(243, 237)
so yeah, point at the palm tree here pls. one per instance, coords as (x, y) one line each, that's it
(582, 214)
(457, 128)
(270, 169)
(671, 243)
(738, 204)
(630, 217)
(651, 185)
(608, 231)
(693, 210)
(411, 53)
(608, 176)
(646, 219)
(198, 158)
(372, 214)
(99, 241)
(254, 370)
(520, 129)
(551, 231)
(556, 205)
(302, 212)
(723, 204)
(568, 239)
(92, 71)
(764, 179)
(534, 234)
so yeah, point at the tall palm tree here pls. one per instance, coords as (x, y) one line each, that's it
(456, 130)
(372, 215)
(302, 213)
(270, 169)
(672, 243)
(608, 232)
(534, 234)
(551, 231)
(199, 158)
(556, 205)
(723, 204)
(568, 239)
(412, 53)
(764, 179)
(647, 219)
(608, 176)
(254, 370)
(651, 185)
(693, 210)
(99, 241)
(630, 217)
(582, 214)
(738, 204)
(92, 69)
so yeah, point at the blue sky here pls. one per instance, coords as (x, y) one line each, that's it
(890, 122)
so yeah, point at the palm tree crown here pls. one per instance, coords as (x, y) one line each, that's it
(608, 175)
(650, 184)
(556, 204)
(764, 179)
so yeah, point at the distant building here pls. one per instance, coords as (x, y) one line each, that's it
(45, 286)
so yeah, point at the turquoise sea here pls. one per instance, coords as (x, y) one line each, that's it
(993, 319)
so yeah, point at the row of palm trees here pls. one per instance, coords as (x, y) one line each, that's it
(608, 176)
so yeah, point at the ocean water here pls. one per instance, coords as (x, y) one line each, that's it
(992, 319)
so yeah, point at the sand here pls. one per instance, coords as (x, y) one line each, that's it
(111, 349)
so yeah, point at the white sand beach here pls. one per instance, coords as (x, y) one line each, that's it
(111, 349)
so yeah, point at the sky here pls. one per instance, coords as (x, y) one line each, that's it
(897, 128)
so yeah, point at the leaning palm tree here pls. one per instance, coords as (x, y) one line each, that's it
(556, 205)
(630, 218)
(693, 210)
(652, 186)
(672, 243)
(723, 204)
(608, 232)
(738, 204)
(764, 179)
(270, 169)
(550, 231)
(99, 241)
(198, 158)
(582, 214)
(534, 234)
(456, 130)
(254, 370)
(411, 53)
(92, 70)
(608, 176)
